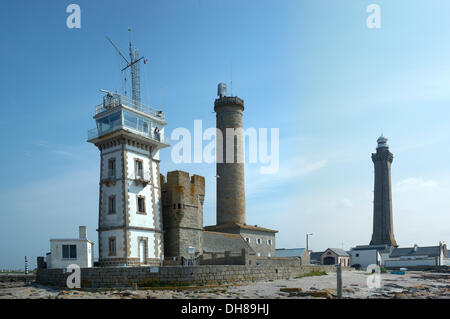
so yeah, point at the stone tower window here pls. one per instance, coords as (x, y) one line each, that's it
(112, 167)
(140, 204)
(112, 205)
(139, 170)
(112, 246)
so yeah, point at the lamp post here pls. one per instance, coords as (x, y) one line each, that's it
(307, 241)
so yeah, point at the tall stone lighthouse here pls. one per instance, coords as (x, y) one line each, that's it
(230, 164)
(383, 229)
(230, 206)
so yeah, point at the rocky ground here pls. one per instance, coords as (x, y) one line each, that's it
(411, 285)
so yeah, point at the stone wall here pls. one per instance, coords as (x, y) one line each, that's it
(103, 277)
(182, 198)
(225, 258)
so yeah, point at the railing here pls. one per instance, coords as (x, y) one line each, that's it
(95, 132)
(143, 176)
(113, 99)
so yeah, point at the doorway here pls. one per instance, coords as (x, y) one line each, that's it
(142, 251)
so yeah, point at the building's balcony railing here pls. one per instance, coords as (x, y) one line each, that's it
(156, 136)
(143, 178)
(113, 99)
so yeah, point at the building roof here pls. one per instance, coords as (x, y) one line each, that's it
(291, 252)
(239, 226)
(214, 242)
(371, 247)
(432, 251)
(339, 252)
(315, 255)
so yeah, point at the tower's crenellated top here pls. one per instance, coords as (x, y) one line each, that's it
(181, 186)
(382, 141)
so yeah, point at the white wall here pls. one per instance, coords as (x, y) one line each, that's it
(150, 235)
(120, 249)
(84, 253)
(364, 258)
(112, 220)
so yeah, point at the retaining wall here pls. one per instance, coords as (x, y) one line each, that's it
(104, 277)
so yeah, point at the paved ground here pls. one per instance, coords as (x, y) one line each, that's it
(410, 285)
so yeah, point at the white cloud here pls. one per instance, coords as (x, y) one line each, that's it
(289, 171)
(415, 184)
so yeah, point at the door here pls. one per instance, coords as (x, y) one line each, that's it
(142, 251)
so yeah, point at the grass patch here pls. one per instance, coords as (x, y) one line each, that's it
(312, 273)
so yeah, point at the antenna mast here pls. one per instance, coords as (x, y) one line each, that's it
(135, 69)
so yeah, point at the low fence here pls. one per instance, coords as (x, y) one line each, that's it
(106, 277)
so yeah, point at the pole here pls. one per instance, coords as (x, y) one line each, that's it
(339, 281)
(26, 265)
(307, 241)
(26, 270)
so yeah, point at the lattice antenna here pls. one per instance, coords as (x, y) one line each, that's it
(134, 66)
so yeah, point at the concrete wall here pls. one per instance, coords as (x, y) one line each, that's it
(129, 276)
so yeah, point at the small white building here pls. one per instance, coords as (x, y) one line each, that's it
(64, 252)
(365, 255)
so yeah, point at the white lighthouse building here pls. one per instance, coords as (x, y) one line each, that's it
(129, 136)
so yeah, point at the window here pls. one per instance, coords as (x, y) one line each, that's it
(112, 246)
(247, 240)
(69, 251)
(112, 167)
(112, 204)
(179, 206)
(141, 204)
(259, 241)
(357, 255)
(138, 169)
(269, 241)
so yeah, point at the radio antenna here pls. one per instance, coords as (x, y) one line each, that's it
(134, 65)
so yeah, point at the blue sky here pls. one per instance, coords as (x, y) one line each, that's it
(310, 68)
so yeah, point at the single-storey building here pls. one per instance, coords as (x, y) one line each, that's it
(65, 252)
(335, 256)
(314, 257)
(417, 256)
(365, 255)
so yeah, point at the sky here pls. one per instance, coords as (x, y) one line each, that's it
(311, 68)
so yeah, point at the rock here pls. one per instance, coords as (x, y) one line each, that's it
(349, 290)
(291, 290)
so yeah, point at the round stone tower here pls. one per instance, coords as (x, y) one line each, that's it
(383, 228)
(230, 162)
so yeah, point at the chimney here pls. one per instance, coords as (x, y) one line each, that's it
(83, 233)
